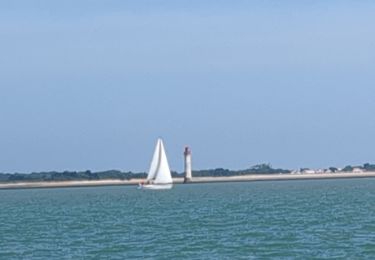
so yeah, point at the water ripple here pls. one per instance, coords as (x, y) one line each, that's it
(306, 219)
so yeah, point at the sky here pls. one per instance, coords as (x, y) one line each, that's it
(93, 84)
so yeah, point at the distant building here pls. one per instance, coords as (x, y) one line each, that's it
(308, 171)
(357, 170)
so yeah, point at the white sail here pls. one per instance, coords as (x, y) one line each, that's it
(159, 170)
(163, 174)
(155, 162)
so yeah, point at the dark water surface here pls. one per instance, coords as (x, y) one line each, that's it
(289, 219)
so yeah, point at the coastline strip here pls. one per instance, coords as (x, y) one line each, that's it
(196, 180)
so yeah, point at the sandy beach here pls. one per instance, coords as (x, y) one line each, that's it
(244, 178)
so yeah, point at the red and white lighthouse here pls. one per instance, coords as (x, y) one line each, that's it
(188, 171)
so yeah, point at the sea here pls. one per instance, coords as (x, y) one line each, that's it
(318, 219)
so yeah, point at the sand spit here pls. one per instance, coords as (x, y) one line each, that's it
(243, 178)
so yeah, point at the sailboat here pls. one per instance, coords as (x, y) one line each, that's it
(159, 176)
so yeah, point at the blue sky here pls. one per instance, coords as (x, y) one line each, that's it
(92, 84)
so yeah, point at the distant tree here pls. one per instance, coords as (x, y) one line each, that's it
(333, 169)
(348, 168)
(264, 168)
(369, 167)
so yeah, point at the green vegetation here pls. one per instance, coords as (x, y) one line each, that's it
(333, 169)
(257, 169)
(348, 168)
(119, 175)
(368, 167)
(69, 176)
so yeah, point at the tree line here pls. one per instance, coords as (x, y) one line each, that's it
(120, 175)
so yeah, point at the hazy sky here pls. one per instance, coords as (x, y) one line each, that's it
(92, 84)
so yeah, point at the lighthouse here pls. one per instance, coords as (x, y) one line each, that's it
(187, 156)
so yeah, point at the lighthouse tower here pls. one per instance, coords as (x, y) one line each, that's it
(187, 155)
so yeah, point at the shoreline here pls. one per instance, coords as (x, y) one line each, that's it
(196, 180)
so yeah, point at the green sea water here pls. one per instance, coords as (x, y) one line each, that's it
(256, 220)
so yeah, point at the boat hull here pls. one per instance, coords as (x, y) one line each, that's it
(155, 186)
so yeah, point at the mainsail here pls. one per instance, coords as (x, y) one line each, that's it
(159, 170)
